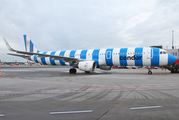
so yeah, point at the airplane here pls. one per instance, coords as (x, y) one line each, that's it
(89, 59)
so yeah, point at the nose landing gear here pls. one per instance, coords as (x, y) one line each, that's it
(149, 71)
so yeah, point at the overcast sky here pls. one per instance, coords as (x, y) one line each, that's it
(84, 24)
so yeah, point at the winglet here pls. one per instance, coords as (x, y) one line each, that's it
(8, 46)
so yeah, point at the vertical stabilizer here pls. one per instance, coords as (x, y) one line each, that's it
(29, 46)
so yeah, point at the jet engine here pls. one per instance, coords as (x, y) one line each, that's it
(105, 67)
(87, 66)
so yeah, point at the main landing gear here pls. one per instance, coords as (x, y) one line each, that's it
(149, 71)
(72, 71)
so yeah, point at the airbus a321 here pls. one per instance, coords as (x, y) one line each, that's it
(89, 59)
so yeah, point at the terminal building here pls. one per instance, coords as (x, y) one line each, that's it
(174, 52)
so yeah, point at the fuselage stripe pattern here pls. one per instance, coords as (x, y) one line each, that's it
(108, 56)
(51, 59)
(62, 54)
(83, 54)
(138, 54)
(122, 56)
(155, 60)
(43, 59)
(95, 56)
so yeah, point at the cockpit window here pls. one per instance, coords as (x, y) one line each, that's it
(164, 52)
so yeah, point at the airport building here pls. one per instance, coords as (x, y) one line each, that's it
(174, 52)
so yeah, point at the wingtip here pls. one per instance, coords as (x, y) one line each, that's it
(8, 46)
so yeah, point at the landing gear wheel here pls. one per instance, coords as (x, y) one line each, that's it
(72, 71)
(149, 69)
(87, 72)
(150, 72)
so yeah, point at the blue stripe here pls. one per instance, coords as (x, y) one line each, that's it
(155, 59)
(122, 56)
(62, 53)
(108, 57)
(72, 53)
(83, 54)
(35, 58)
(25, 42)
(31, 46)
(52, 61)
(95, 56)
(138, 56)
(43, 59)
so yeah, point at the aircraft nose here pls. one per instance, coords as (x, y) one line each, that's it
(171, 59)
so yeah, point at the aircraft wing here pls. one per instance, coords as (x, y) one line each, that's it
(55, 57)
(19, 55)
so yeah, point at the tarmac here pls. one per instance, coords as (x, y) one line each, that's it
(51, 93)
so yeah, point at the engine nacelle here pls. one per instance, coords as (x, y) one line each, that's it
(105, 67)
(87, 66)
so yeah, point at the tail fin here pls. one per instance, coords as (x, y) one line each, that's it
(29, 46)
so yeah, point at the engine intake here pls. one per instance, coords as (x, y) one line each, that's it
(87, 66)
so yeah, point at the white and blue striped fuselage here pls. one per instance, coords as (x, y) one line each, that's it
(87, 60)
(139, 56)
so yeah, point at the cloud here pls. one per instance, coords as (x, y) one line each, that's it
(79, 24)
